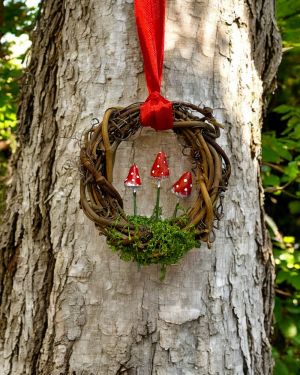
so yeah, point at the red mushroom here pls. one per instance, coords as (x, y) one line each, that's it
(182, 188)
(133, 181)
(160, 168)
(159, 171)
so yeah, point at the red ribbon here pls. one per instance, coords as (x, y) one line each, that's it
(156, 111)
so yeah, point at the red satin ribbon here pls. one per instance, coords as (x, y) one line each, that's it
(156, 111)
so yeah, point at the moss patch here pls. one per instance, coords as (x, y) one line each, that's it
(153, 241)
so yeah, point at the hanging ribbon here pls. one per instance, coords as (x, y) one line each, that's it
(156, 111)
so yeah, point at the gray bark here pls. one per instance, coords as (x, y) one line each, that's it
(68, 304)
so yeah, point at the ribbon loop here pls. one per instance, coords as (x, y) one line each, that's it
(156, 111)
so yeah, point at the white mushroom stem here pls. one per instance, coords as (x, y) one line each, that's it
(134, 202)
(156, 210)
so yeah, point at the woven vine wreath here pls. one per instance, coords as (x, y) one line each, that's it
(148, 240)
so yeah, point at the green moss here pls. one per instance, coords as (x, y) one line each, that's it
(153, 241)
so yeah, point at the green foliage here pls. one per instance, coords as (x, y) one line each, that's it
(281, 178)
(286, 345)
(162, 241)
(288, 19)
(281, 154)
(9, 73)
(18, 19)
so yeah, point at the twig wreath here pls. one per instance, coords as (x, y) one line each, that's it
(139, 238)
(153, 240)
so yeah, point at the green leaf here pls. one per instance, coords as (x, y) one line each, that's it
(269, 155)
(292, 170)
(274, 149)
(283, 108)
(283, 151)
(296, 132)
(271, 180)
(285, 8)
(282, 276)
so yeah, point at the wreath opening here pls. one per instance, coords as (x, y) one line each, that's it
(154, 240)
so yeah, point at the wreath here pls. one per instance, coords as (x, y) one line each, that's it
(154, 240)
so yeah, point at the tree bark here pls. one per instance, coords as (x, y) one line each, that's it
(68, 304)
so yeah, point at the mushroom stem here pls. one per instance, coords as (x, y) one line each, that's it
(134, 202)
(176, 209)
(157, 200)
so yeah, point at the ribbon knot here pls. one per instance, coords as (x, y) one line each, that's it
(156, 111)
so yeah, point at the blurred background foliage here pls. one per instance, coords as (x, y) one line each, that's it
(280, 158)
(281, 179)
(16, 22)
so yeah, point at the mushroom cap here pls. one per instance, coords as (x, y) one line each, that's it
(160, 168)
(133, 179)
(183, 187)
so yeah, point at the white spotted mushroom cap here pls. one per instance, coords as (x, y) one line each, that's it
(133, 179)
(160, 168)
(183, 187)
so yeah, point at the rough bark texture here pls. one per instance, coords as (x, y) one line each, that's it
(69, 305)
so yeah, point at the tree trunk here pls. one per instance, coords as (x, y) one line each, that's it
(68, 304)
